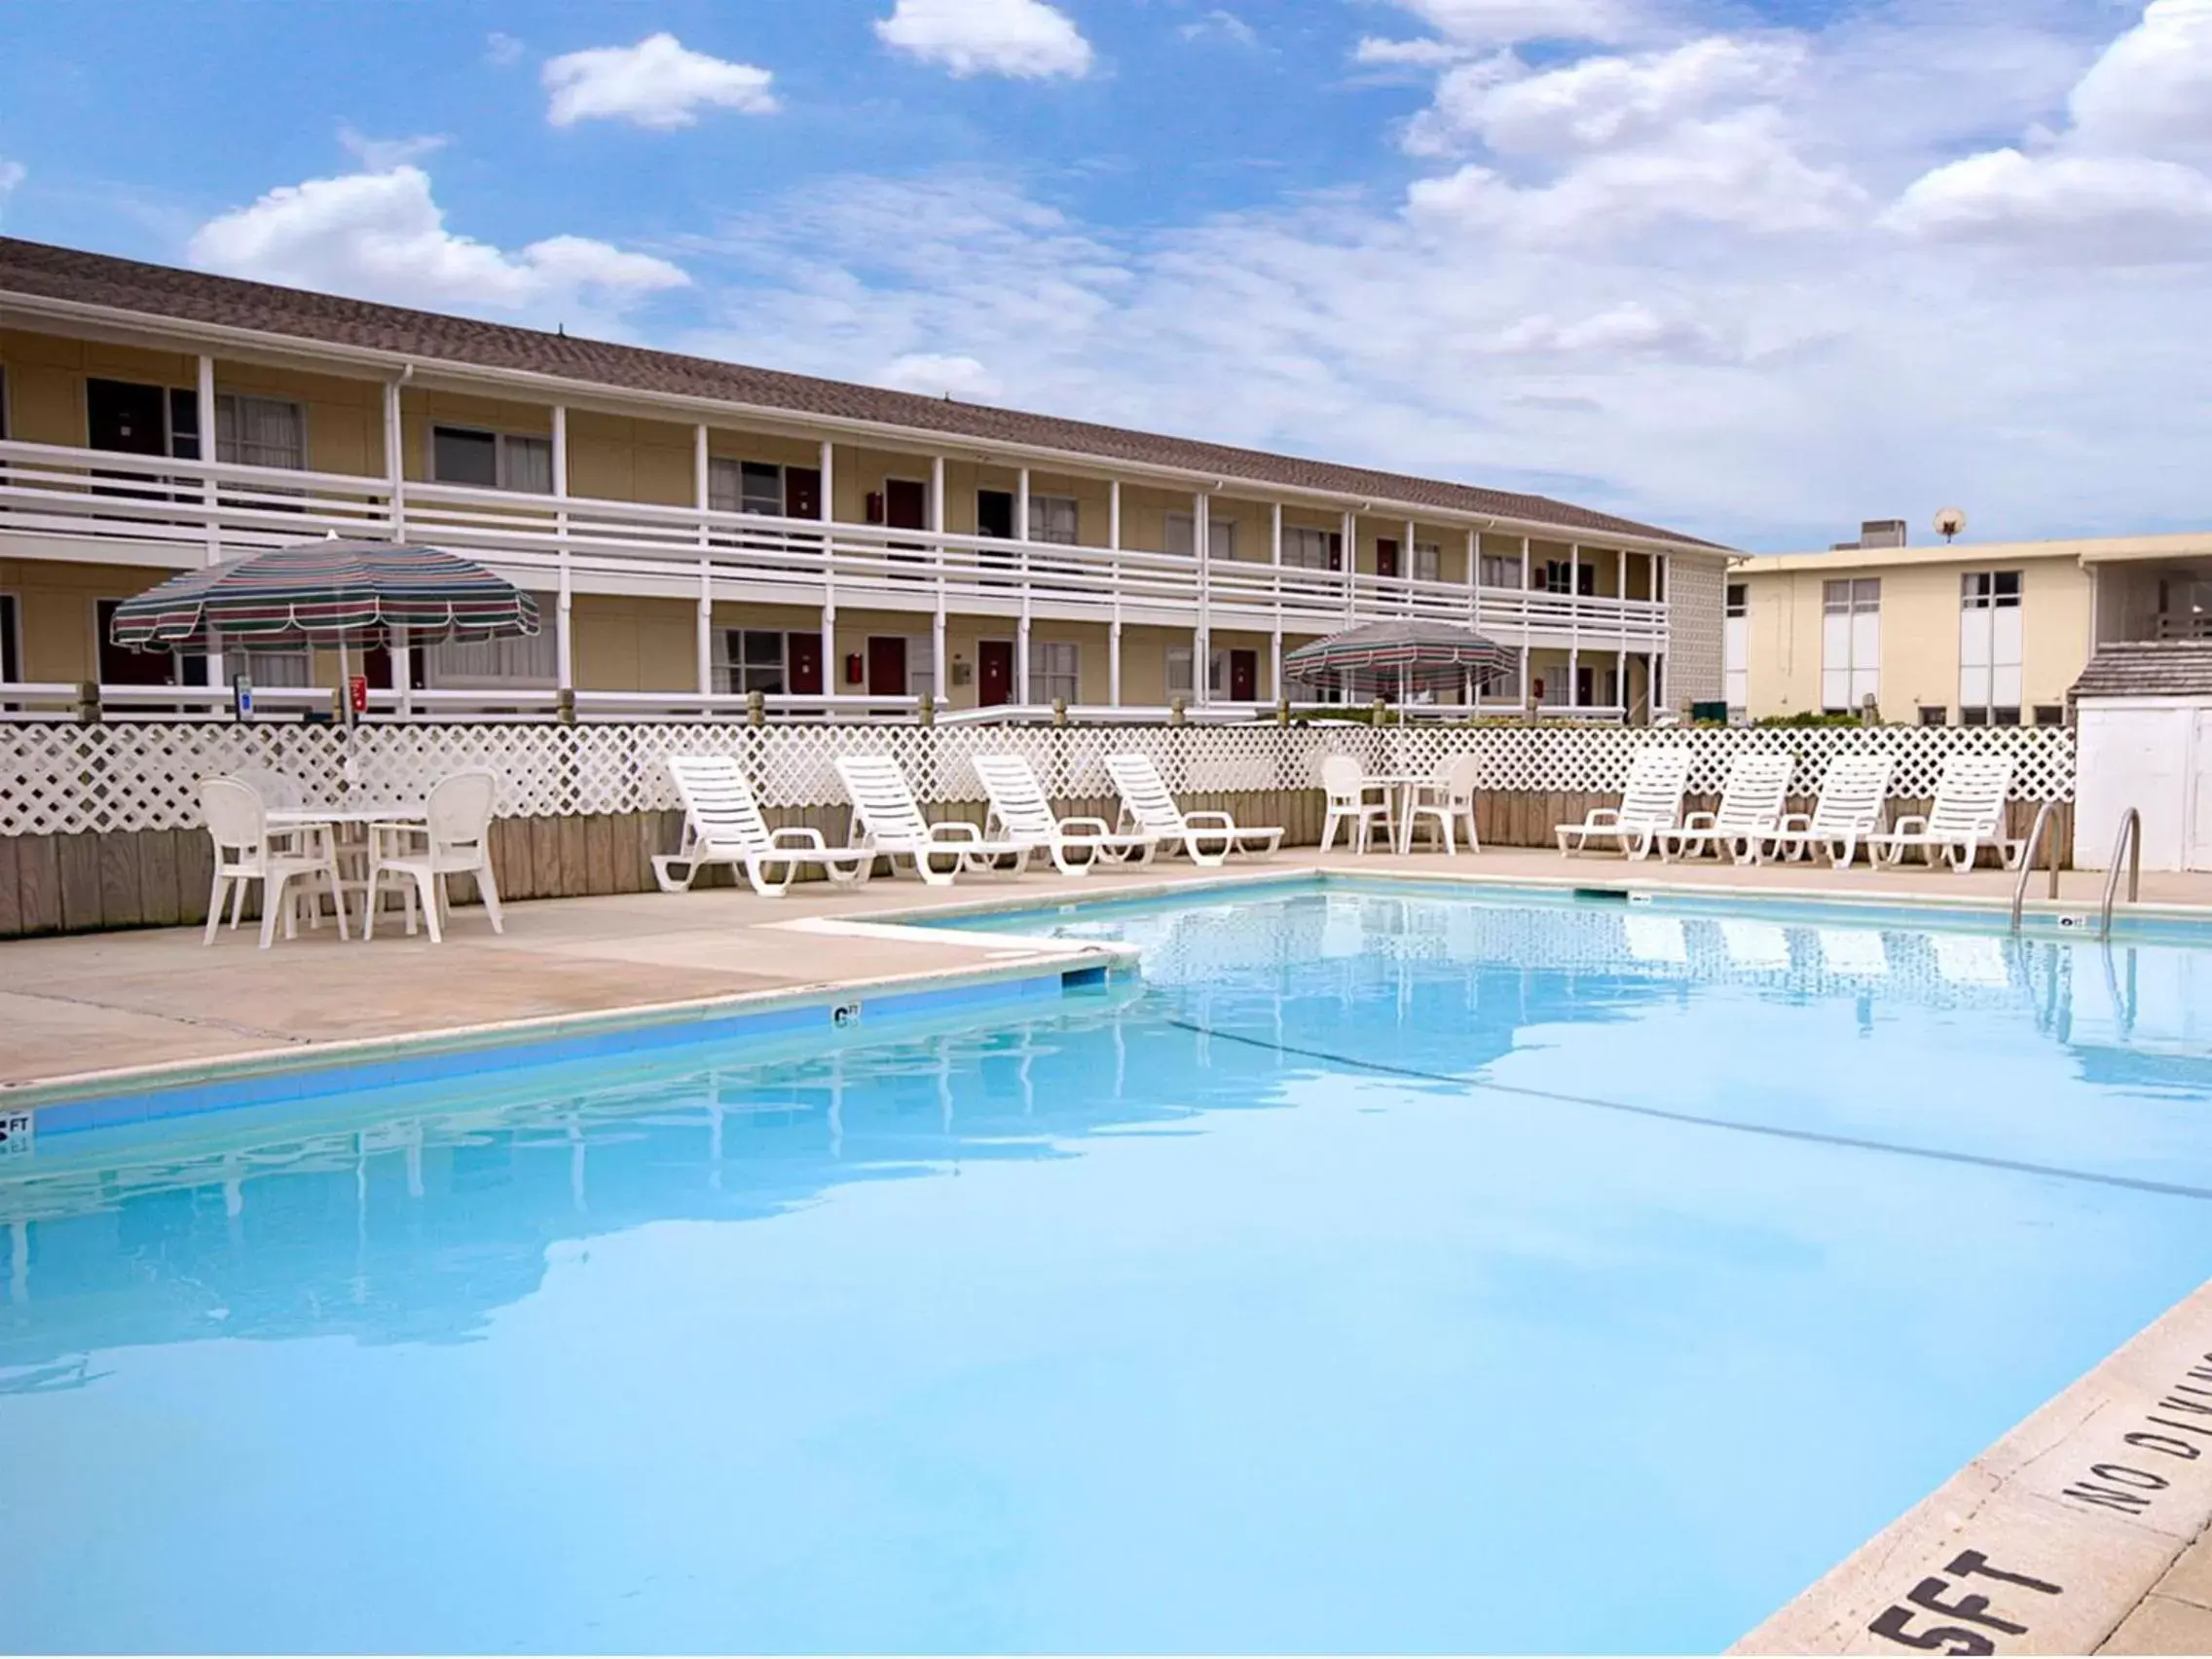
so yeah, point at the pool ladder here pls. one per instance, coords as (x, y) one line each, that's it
(2128, 841)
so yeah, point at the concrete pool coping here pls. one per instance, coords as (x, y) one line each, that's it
(2051, 1504)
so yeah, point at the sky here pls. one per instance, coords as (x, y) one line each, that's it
(1753, 270)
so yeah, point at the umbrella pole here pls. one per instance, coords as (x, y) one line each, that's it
(344, 685)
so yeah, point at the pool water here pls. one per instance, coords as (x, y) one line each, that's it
(1393, 1270)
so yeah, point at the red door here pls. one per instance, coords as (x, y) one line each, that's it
(886, 665)
(1386, 556)
(906, 503)
(994, 673)
(802, 492)
(1244, 676)
(803, 653)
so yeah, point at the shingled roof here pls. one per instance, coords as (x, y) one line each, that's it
(43, 271)
(2148, 668)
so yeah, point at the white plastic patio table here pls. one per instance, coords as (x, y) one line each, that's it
(1401, 785)
(354, 848)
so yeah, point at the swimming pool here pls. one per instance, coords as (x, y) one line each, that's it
(1405, 1270)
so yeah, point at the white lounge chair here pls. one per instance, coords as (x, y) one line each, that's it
(1445, 801)
(1854, 794)
(1967, 815)
(1751, 799)
(1209, 837)
(723, 825)
(1021, 813)
(1651, 803)
(248, 850)
(891, 825)
(1354, 801)
(453, 839)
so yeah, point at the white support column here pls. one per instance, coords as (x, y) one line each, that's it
(1620, 678)
(1021, 659)
(829, 469)
(1574, 675)
(396, 460)
(1350, 537)
(1275, 535)
(939, 682)
(1114, 663)
(1406, 568)
(703, 647)
(833, 670)
(1113, 634)
(1525, 565)
(1528, 690)
(1660, 594)
(1022, 535)
(565, 635)
(1113, 516)
(1274, 664)
(1022, 506)
(1201, 649)
(1574, 623)
(208, 453)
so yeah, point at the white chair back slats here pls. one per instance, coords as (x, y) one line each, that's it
(1853, 794)
(1756, 790)
(1144, 794)
(1018, 807)
(883, 800)
(1656, 780)
(719, 801)
(1970, 796)
(1344, 781)
(458, 813)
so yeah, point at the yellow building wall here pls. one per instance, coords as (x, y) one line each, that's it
(57, 611)
(634, 645)
(1920, 633)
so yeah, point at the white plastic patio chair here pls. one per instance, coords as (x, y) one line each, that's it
(1021, 813)
(1751, 801)
(248, 850)
(892, 825)
(1209, 837)
(1854, 794)
(723, 825)
(454, 838)
(1651, 803)
(1967, 815)
(1445, 803)
(1354, 801)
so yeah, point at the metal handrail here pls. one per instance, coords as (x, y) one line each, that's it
(2130, 839)
(2028, 860)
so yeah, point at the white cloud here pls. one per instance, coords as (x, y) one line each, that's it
(1630, 327)
(1502, 22)
(380, 236)
(1221, 25)
(1025, 38)
(1409, 54)
(12, 173)
(2152, 88)
(501, 50)
(658, 82)
(935, 374)
(382, 155)
(2096, 207)
(1600, 102)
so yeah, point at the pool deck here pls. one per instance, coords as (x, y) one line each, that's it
(2086, 1528)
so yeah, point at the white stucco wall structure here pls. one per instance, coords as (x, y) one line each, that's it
(2144, 721)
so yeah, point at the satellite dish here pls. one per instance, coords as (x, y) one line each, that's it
(1949, 521)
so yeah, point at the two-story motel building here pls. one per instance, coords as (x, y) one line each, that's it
(697, 529)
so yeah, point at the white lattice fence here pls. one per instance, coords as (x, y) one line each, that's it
(143, 774)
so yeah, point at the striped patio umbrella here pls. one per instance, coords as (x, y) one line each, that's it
(329, 593)
(1382, 659)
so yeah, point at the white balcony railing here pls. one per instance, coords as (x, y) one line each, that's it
(201, 510)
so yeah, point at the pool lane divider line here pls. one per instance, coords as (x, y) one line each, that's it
(1857, 1143)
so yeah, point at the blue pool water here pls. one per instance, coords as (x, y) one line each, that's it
(1390, 1270)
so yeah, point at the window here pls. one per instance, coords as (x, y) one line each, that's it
(1053, 518)
(1308, 549)
(1562, 576)
(1989, 646)
(1500, 571)
(1221, 537)
(1428, 562)
(1851, 642)
(1179, 661)
(491, 460)
(518, 661)
(755, 660)
(1055, 670)
(1935, 716)
(261, 431)
(1736, 646)
(2051, 714)
(279, 665)
(745, 486)
(11, 639)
